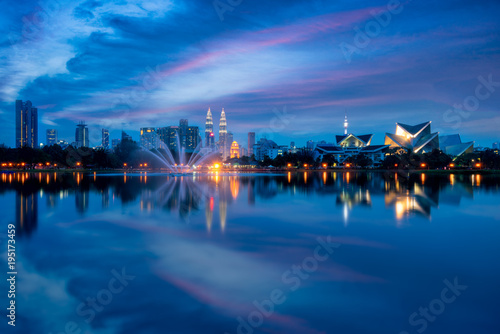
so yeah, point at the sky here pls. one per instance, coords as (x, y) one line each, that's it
(287, 70)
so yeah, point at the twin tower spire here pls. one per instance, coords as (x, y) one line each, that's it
(209, 133)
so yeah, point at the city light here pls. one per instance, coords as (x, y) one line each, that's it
(325, 165)
(452, 165)
(478, 165)
(78, 164)
(423, 165)
(216, 166)
(289, 165)
(125, 164)
(348, 165)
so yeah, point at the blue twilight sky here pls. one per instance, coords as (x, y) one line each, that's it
(289, 70)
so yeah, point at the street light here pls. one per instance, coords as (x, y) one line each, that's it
(423, 165)
(325, 165)
(289, 165)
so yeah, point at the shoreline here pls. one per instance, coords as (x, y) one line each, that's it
(266, 170)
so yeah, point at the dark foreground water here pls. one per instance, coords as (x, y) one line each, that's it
(291, 253)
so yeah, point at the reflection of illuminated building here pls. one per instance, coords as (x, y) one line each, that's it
(222, 213)
(105, 198)
(26, 213)
(82, 200)
(350, 197)
(416, 201)
(251, 193)
(354, 197)
(209, 213)
(234, 185)
(51, 200)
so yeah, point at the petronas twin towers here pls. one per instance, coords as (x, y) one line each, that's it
(224, 143)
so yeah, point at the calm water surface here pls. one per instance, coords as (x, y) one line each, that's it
(233, 253)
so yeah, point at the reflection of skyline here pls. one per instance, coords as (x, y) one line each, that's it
(26, 212)
(406, 194)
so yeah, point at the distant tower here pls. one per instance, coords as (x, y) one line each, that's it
(345, 125)
(209, 129)
(51, 135)
(223, 135)
(82, 135)
(251, 143)
(26, 124)
(105, 139)
(183, 128)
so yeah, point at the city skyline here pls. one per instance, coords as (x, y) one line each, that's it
(295, 73)
(189, 137)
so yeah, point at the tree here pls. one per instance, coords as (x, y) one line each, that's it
(361, 160)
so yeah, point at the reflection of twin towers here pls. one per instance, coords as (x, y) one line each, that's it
(227, 192)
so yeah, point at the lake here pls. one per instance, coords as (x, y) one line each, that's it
(300, 252)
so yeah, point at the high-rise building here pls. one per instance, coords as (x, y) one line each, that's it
(168, 135)
(105, 139)
(223, 142)
(82, 135)
(192, 138)
(149, 138)
(26, 124)
(183, 128)
(251, 143)
(209, 130)
(115, 143)
(51, 135)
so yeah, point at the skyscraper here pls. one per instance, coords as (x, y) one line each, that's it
(168, 135)
(105, 139)
(149, 138)
(26, 124)
(82, 135)
(183, 128)
(51, 135)
(115, 143)
(251, 143)
(223, 143)
(209, 130)
(192, 138)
